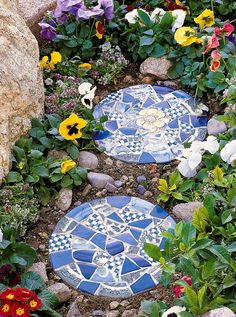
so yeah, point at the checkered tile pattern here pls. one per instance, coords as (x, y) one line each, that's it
(152, 235)
(130, 217)
(115, 96)
(132, 142)
(115, 264)
(171, 133)
(96, 223)
(114, 116)
(59, 242)
(176, 112)
(186, 127)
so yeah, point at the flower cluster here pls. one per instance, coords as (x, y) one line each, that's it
(55, 59)
(18, 302)
(8, 276)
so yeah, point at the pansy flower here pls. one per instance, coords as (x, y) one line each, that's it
(70, 128)
(227, 30)
(20, 310)
(66, 166)
(55, 59)
(171, 5)
(186, 36)
(5, 308)
(88, 93)
(99, 30)
(48, 32)
(212, 42)
(174, 311)
(206, 18)
(216, 57)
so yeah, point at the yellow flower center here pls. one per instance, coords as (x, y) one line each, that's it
(10, 296)
(33, 303)
(20, 311)
(6, 308)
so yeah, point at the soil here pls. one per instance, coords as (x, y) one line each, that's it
(38, 234)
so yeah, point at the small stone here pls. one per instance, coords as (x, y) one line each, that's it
(64, 199)
(128, 79)
(171, 84)
(111, 188)
(113, 313)
(78, 203)
(42, 247)
(148, 194)
(99, 194)
(124, 303)
(124, 179)
(98, 313)
(57, 154)
(109, 161)
(80, 299)
(118, 184)
(87, 190)
(62, 291)
(99, 180)
(219, 312)
(129, 313)
(141, 189)
(96, 100)
(88, 160)
(119, 164)
(185, 211)
(141, 179)
(147, 80)
(40, 268)
(215, 127)
(43, 235)
(114, 305)
(156, 66)
(74, 311)
(129, 191)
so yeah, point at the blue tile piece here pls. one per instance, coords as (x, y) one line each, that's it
(84, 255)
(129, 266)
(100, 240)
(151, 124)
(144, 283)
(159, 212)
(83, 232)
(98, 247)
(88, 287)
(141, 223)
(161, 246)
(115, 247)
(87, 270)
(61, 258)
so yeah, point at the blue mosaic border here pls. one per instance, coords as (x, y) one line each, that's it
(148, 124)
(98, 247)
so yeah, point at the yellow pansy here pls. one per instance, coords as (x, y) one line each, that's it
(179, 3)
(70, 128)
(186, 36)
(66, 166)
(85, 65)
(44, 62)
(206, 18)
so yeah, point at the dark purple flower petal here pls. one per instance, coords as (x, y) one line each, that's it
(232, 39)
(108, 7)
(48, 32)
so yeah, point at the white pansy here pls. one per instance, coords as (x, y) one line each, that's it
(179, 16)
(174, 310)
(157, 14)
(151, 119)
(88, 93)
(211, 144)
(228, 153)
(1, 235)
(132, 16)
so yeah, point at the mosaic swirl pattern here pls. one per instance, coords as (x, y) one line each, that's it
(148, 124)
(98, 247)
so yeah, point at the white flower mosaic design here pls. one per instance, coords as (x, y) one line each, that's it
(152, 119)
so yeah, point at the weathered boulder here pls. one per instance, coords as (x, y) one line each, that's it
(185, 211)
(21, 83)
(220, 312)
(157, 67)
(33, 10)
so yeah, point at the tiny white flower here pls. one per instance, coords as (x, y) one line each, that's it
(1, 235)
(228, 153)
(85, 88)
(132, 16)
(179, 16)
(48, 81)
(157, 14)
(174, 310)
(211, 144)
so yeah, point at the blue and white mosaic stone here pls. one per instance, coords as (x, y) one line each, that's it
(148, 124)
(98, 247)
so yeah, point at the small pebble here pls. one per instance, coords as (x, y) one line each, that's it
(111, 188)
(148, 194)
(109, 161)
(78, 203)
(147, 80)
(42, 247)
(98, 313)
(141, 189)
(114, 305)
(118, 184)
(119, 164)
(124, 179)
(87, 190)
(129, 191)
(141, 179)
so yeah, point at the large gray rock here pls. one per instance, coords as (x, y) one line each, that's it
(185, 211)
(21, 83)
(156, 66)
(64, 199)
(74, 310)
(62, 291)
(33, 10)
(88, 160)
(99, 180)
(219, 312)
(40, 268)
(215, 127)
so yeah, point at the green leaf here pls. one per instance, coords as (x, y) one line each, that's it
(174, 178)
(41, 171)
(37, 133)
(44, 195)
(158, 51)
(221, 252)
(32, 281)
(169, 268)
(67, 181)
(186, 185)
(209, 204)
(48, 143)
(189, 233)
(35, 154)
(25, 251)
(73, 151)
(70, 28)
(153, 251)
(144, 17)
(18, 260)
(218, 174)
(202, 297)
(13, 177)
(146, 40)
(82, 172)
(208, 269)
(56, 177)
(155, 310)
(166, 278)
(178, 196)
(71, 43)
(166, 20)
(191, 296)
(48, 299)
(4, 244)
(146, 306)
(187, 267)
(232, 247)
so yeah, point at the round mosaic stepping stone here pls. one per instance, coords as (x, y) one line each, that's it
(98, 247)
(148, 124)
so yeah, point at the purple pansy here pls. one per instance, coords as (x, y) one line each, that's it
(232, 39)
(108, 7)
(48, 31)
(84, 13)
(70, 6)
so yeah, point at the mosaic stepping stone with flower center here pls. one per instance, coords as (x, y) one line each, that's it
(148, 124)
(98, 247)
